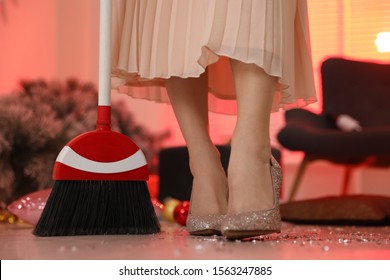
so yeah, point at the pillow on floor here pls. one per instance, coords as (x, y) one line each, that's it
(339, 210)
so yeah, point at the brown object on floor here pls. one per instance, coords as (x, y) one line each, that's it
(339, 210)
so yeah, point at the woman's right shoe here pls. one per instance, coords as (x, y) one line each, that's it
(204, 225)
(255, 223)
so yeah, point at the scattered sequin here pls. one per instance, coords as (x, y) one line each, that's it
(325, 248)
(321, 237)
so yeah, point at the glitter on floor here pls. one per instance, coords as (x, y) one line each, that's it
(300, 242)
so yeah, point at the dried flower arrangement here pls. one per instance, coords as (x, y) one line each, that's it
(38, 120)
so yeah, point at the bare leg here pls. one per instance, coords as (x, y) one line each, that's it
(190, 103)
(250, 186)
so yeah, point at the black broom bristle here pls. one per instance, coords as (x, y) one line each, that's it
(98, 207)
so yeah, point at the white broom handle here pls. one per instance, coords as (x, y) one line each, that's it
(105, 53)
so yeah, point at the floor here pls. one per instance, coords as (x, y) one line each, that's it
(298, 242)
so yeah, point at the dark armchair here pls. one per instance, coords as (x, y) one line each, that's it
(358, 89)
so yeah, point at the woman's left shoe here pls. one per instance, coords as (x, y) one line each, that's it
(255, 223)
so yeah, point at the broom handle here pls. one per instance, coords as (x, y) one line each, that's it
(104, 108)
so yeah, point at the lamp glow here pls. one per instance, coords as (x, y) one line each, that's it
(382, 42)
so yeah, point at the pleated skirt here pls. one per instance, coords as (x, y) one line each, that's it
(153, 40)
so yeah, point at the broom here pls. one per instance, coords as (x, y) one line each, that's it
(100, 176)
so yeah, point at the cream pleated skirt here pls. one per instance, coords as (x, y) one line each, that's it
(153, 40)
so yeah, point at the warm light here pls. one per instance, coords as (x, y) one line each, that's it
(382, 42)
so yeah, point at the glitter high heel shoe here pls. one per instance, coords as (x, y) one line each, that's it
(205, 224)
(254, 223)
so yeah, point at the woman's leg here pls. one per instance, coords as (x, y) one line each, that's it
(250, 185)
(189, 99)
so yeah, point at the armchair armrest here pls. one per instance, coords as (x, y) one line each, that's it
(307, 118)
(317, 135)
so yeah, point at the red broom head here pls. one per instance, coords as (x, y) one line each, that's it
(101, 155)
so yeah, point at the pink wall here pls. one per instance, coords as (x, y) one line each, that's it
(77, 39)
(27, 49)
(49, 39)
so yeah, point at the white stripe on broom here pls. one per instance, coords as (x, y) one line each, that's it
(70, 158)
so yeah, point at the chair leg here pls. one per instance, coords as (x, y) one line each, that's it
(298, 178)
(347, 179)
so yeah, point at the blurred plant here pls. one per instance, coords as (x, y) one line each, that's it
(37, 121)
